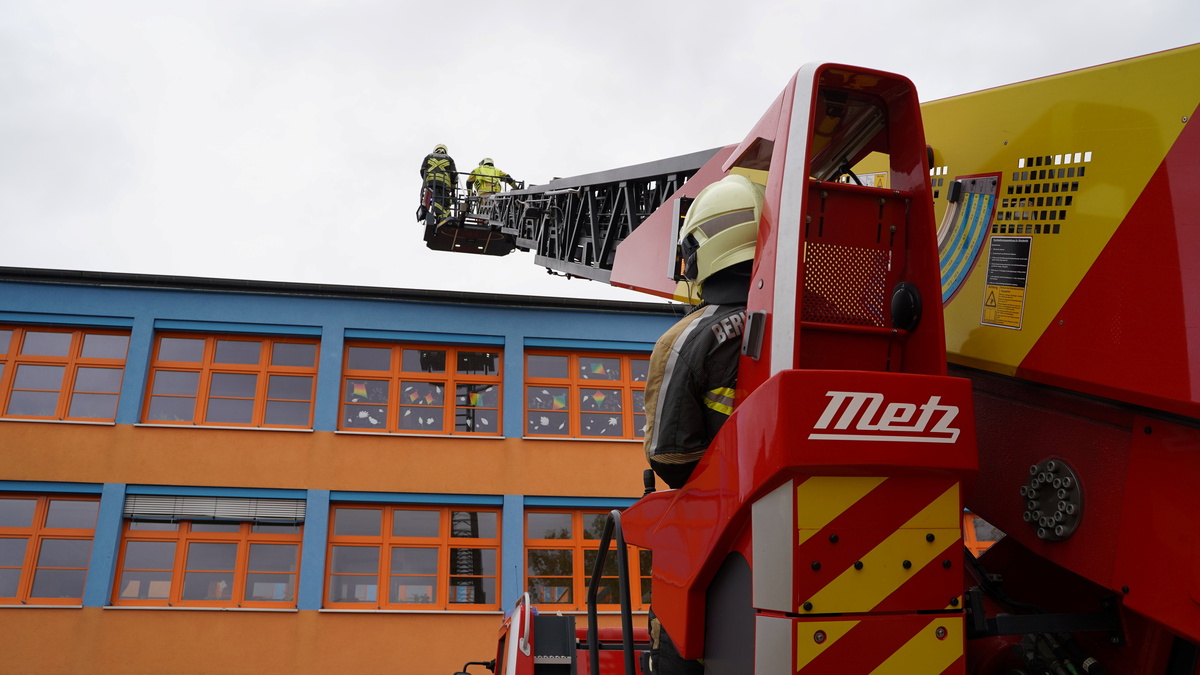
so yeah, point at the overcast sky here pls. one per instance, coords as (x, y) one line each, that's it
(280, 140)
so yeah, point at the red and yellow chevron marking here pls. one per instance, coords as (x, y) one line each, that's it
(881, 645)
(873, 544)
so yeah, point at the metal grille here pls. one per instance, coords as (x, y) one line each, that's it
(845, 284)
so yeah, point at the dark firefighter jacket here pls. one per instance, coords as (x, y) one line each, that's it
(439, 168)
(690, 391)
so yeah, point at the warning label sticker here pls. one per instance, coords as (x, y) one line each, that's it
(1004, 290)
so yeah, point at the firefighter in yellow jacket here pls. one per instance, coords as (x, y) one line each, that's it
(440, 177)
(486, 178)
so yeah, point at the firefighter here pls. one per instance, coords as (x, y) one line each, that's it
(692, 387)
(485, 179)
(440, 177)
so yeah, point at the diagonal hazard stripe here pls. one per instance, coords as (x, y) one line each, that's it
(820, 499)
(855, 591)
(808, 649)
(926, 652)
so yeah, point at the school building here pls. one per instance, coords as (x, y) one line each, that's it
(222, 476)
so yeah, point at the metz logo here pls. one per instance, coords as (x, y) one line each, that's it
(862, 416)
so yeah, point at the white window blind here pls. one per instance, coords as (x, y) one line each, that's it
(213, 508)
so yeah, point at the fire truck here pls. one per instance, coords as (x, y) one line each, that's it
(988, 302)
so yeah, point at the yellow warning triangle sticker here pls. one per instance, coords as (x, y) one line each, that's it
(991, 299)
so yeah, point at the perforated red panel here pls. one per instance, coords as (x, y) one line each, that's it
(845, 284)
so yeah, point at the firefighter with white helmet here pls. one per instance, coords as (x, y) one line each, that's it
(486, 178)
(692, 386)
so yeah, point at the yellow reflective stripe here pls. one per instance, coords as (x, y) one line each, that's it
(853, 591)
(721, 399)
(808, 649)
(820, 499)
(926, 653)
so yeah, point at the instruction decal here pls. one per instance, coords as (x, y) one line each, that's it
(1004, 290)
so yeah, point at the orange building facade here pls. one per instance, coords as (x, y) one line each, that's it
(214, 476)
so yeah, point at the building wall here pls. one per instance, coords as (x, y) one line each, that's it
(321, 466)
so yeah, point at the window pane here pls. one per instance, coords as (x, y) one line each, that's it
(64, 553)
(270, 587)
(46, 344)
(423, 360)
(547, 423)
(153, 526)
(353, 588)
(551, 591)
(38, 377)
(287, 413)
(355, 559)
(476, 420)
(364, 417)
(208, 586)
(640, 369)
(5, 340)
(9, 579)
(294, 354)
(203, 556)
(66, 584)
(106, 380)
(171, 409)
(421, 393)
(610, 563)
(473, 524)
(548, 526)
(478, 363)
(276, 528)
(539, 365)
(17, 512)
(175, 383)
(273, 557)
(369, 358)
(105, 346)
(230, 411)
(414, 560)
(593, 525)
(413, 589)
(233, 384)
(238, 351)
(12, 552)
(407, 523)
(367, 391)
(149, 555)
(290, 386)
(481, 591)
(477, 395)
(550, 562)
(473, 561)
(96, 406)
(72, 514)
(605, 400)
(422, 418)
(188, 350)
(146, 585)
(358, 522)
(601, 424)
(546, 398)
(596, 368)
(35, 403)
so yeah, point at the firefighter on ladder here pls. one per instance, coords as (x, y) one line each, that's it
(485, 179)
(692, 386)
(439, 176)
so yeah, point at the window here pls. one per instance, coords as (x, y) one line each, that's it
(585, 395)
(420, 557)
(561, 549)
(232, 381)
(45, 546)
(60, 374)
(208, 563)
(421, 389)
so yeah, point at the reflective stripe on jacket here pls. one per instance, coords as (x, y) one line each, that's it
(690, 391)
(439, 168)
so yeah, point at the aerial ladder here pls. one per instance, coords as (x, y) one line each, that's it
(1032, 356)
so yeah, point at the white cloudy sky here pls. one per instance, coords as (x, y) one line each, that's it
(280, 139)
